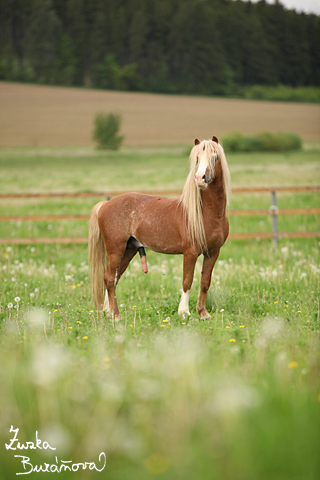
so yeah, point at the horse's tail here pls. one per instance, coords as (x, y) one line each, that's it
(97, 255)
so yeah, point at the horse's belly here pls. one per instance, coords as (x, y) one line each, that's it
(159, 239)
(157, 229)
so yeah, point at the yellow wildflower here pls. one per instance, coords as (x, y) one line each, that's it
(293, 364)
(232, 340)
(156, 463)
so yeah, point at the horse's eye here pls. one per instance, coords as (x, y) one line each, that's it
(216, 158)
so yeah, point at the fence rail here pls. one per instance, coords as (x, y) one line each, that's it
(232, 236)
(273, 211)
(246, 213)
(109, 194)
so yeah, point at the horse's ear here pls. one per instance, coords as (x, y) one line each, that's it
(196, 142)
(215, 139)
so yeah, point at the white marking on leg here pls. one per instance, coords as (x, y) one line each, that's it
(106, 305)
(184, 303)
(116, 278)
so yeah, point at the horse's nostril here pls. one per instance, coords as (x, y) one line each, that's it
(203, 177)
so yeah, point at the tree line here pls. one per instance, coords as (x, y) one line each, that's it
(177, 46)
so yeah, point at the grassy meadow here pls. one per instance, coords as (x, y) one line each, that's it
(154, 395)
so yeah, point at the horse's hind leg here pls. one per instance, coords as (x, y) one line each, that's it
(126, 259)
(208, 264)
(111, 277)
(116, 266)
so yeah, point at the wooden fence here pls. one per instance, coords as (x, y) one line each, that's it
(273, 211)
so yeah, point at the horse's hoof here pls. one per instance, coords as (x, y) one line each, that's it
(205, 315)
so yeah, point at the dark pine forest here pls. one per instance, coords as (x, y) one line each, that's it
(208, 47)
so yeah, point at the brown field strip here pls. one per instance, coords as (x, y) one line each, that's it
(33, 115)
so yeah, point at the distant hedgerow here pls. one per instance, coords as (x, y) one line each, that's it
(262, 142)
(105, 133)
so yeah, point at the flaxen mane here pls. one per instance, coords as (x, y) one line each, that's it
(191, 195)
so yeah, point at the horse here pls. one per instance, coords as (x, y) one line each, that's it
(193, 224)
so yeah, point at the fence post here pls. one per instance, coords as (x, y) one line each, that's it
(274, 209)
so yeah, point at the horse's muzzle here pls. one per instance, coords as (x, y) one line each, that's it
(201, 181)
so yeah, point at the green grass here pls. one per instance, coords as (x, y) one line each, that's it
(154, 391)
(233, 398)
(73, 170)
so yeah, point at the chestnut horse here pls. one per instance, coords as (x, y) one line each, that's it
(193, 224)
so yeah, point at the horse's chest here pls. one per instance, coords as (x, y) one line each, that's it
(216, 232)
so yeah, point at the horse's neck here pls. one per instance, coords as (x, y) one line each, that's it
(214, 197)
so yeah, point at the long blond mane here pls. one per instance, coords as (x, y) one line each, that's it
(190, 198)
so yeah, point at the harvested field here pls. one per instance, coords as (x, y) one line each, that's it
(33, 115)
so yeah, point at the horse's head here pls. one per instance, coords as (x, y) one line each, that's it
(205, 155)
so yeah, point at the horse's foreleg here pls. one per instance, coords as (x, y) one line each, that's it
(208, 264)
(189, 262)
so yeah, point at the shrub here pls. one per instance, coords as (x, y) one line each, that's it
(105, 133)
(281, 93)
(262, 142)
